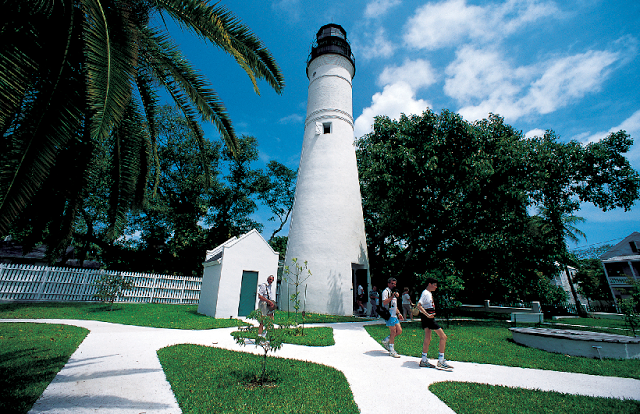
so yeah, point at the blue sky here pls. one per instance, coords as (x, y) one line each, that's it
(570, 66)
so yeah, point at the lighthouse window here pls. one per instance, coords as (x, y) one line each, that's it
(326, 128)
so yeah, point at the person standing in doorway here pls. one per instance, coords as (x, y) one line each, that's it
(374, 296)
(427, 310)
(390, 301)
(266, 304)
(362, 311)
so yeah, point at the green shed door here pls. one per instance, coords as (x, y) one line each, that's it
(248, 292)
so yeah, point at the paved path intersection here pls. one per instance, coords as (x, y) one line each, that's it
(116, 370)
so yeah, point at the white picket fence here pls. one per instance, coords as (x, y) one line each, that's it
(58, 284)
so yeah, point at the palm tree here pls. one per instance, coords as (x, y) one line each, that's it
(557, 225)
(82, 76)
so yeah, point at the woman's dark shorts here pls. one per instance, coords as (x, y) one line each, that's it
(428, 322)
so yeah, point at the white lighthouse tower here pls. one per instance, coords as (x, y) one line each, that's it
(327, 228)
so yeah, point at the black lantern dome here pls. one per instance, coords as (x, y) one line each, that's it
(331, 38)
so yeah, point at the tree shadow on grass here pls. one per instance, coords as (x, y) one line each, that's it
(24, 376)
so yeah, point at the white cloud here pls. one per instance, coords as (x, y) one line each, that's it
(394, 100)
(482, 74)
(482, 81)
(291, 119)
(417, 73)
(569, 78)
(448, 23)
(535, 133)
(374, 46)
(291, 8)
(378, 8)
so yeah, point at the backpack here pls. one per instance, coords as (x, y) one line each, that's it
(382, 311)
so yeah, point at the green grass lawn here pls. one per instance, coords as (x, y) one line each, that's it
(214, 380)
(155, 315)
(31, 354)
(310, 337)
(284, 316)
(140, 314)
(211, 380)
(490, 342)
(470, 398)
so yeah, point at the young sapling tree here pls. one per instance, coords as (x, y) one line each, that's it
(110, 286)
(271, 342)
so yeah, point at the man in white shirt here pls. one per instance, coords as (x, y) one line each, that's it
(427, 317)
(362, 311)
(266, 304)
(390, 301)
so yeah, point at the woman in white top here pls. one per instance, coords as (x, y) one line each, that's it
(406, 304)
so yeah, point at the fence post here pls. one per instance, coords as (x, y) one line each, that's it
(184, 285)
(153, 287)
(43, 281)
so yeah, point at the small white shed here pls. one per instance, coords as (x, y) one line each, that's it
(232, 273)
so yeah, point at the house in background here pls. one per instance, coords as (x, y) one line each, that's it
(232, 273)
(622, 262)
(561, 279)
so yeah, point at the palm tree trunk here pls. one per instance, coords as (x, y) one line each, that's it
(581, 312)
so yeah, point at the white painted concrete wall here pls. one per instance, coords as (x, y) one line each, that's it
(327, 227)
(222, 278)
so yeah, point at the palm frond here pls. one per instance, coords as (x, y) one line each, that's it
(46, 128)
(110, 65)
(217, 25)
(173, 71)
(129, 168)
(149, 100)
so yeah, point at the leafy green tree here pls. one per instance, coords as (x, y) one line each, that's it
(277, 192)
(279, 244)
(187, 217)
(437, 189)
(82, 76)
(564, 175)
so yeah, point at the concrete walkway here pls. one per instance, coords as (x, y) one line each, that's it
(116, 370)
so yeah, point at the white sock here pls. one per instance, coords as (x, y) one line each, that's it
(441, 356)
(424, 357)
(391, 348)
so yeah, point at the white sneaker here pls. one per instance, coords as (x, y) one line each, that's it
(385, 344)
(394, 354)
